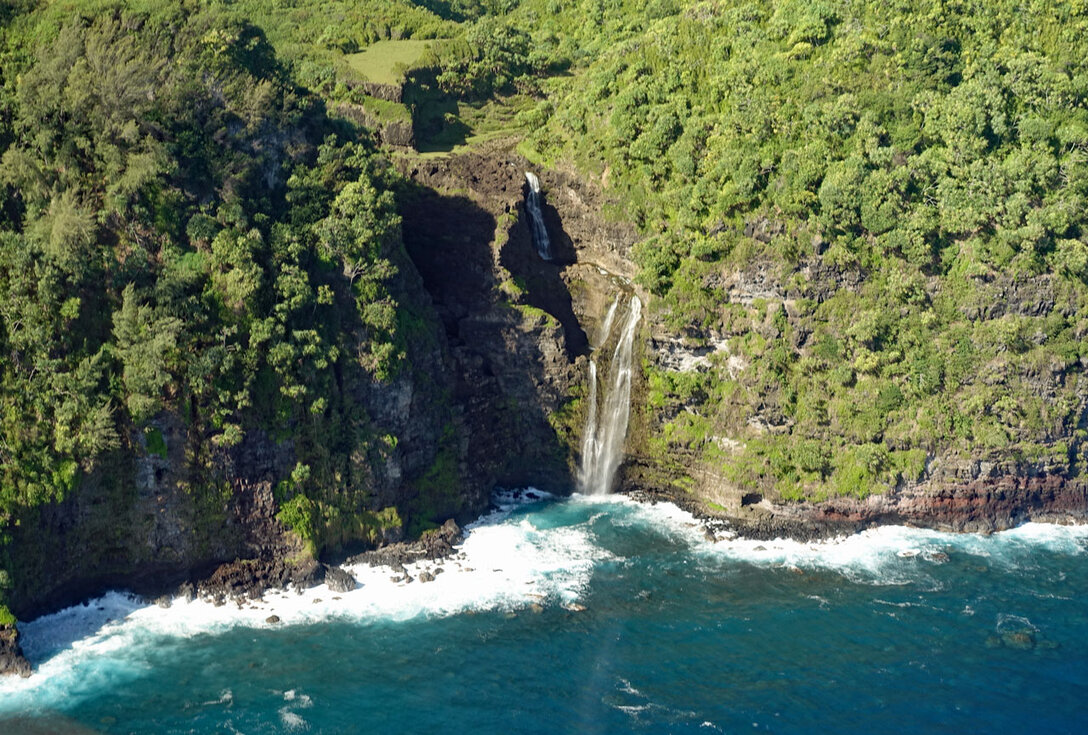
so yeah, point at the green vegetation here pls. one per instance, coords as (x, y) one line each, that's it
(184, 232)
(156, 444)
(875, 211)
(386, 62)
(384, 111)
(913, 179)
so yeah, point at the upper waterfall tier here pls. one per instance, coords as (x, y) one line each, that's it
(536, 217)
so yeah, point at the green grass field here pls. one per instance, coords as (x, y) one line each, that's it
(384, 62)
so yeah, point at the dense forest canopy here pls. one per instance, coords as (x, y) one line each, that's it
(184, 227)
(933, 155)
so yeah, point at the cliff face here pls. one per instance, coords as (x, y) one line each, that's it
(483, 399)
(693, 440)
(684, 445)
(492, 396)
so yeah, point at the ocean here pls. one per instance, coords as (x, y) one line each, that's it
(600, 615)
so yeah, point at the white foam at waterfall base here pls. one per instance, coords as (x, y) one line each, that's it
(504, 563)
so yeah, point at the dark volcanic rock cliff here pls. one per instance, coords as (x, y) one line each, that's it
(491, 396)
(484, 400)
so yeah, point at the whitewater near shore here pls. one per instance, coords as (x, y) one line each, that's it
(525, 556)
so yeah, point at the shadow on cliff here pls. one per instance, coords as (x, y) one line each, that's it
(511, 368)
(541, 281)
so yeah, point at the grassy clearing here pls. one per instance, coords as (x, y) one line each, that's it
(387, 111)
(385, 62)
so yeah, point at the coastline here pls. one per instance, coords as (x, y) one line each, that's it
(982, 506)
(970, 510)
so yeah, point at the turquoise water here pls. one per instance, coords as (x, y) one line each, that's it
(896, 630)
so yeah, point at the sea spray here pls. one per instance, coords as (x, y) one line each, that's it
(536, 217)
(606, 428)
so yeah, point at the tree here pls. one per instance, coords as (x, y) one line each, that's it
(147, 346)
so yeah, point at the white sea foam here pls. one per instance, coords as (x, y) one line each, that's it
(292, 721)
(505, 563)
(509, 560)
(896, 554)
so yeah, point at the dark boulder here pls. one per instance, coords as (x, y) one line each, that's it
(432, 546)
(339, 580)
(12, 660)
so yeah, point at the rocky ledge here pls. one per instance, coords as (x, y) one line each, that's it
(12, 660)
(250, 578)
(432, 546)
(970, 505)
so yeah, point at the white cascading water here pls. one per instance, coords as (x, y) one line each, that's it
(606, 326)
(536, 217)
(606, 430)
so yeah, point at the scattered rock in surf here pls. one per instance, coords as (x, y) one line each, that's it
(573, 607)
(439, 570)
(187, 592)
(339, 580)
(426, 576)
(536, 607)
(1021, 640)
(432, 545)
(316, 600)
(164, 602)
(937, 557)
(908, 553)
(272, 619)
(12, 660)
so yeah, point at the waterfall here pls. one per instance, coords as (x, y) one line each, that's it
(606, 430)
(606, 326)
(536, 217)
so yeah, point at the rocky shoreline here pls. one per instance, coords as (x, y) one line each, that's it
(244, 580)
(978, 506)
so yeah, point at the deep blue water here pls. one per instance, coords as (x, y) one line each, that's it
(877, 633)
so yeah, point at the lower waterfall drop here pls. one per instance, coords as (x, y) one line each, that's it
(606, 429)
